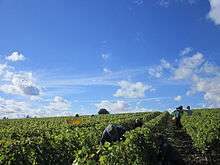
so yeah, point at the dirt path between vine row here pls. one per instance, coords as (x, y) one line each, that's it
(179, 148)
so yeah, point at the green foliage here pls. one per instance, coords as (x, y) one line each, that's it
(138, 147)
(103, 111)
(204, 128)
(53, 141)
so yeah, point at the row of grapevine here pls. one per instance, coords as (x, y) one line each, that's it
(204, 128)
(52, 141)
(11, 129)
(138, 147)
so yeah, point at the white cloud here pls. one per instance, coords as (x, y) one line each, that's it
(17, 82)
(3, 68)
(187, 66)
(23, 83)
(58, 104)
(205, 79)
(186, 51)
(12, 108)
(20, 83)
(210, 68)
(178, 98)
(157, 71)
(202, 76)
(15, 56)
(16, 109)
(214, 13)
(164, 64)
(10, 89)
(113, 107)
(210, 87)
(121, 107)
(132, 90)
(5, 72)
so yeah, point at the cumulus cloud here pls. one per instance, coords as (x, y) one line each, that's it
(10, 89)
(132, 90)
(202, 76)
(187, 66)
(214, 13)
(58, 104)
(13, 82)
(186, 51)
(113, 107)
(5, 72)
(2, 69)
(121, 107)
(9, 107)
(157, 71)
(16, 109)
(178, 98)
(210, 68)
(164, 64)
(210, 87)
(15, 56)
(22, 83)
(25, 83)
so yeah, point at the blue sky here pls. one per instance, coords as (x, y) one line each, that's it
(67, 57)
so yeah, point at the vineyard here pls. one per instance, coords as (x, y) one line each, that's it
(54, 141)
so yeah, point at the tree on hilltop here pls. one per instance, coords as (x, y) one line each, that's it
(103, 111)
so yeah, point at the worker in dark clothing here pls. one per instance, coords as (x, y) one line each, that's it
(112, 133)
(177, 114)
(189, 111)
(138, 123)
(180, 108)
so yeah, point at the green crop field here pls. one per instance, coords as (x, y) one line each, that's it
(53, 141)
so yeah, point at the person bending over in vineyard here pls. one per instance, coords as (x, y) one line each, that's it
(112, 133)
(138, 122)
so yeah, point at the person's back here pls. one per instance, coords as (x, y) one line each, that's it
(112, 133)
(189, 110)
(138, 123)
(178, 116)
